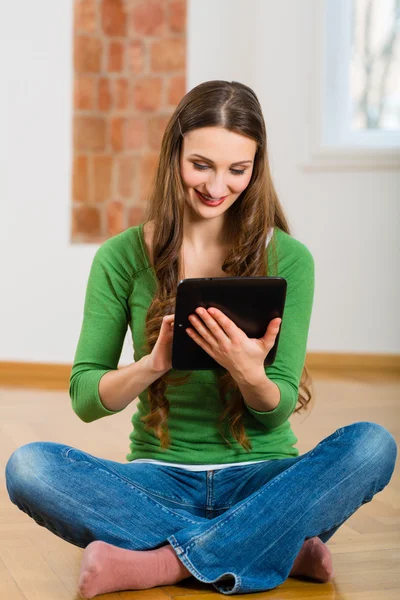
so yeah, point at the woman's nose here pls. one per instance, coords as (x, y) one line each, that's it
(216, 187)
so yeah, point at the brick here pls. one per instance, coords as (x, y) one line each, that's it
(157, 127)
(135, 134)
(148, 17)
(168, 55)
(113, 17)
(136, 57)
(127, 175)
(176, 89)
(117, 131)
(85, 16)
(84, 93)
(116, 52)
(80, 179)
(87, 54)
(177, 16)
(86, 220)
(147, 93)
(89, 133)
(136, 215)
(147, 172)
(120, 93)
(104, 94)
(115, 218)
(102, 165)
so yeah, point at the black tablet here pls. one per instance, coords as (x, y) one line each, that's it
(250, 302)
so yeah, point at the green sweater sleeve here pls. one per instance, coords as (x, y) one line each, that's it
(290, 358)
(104, 326)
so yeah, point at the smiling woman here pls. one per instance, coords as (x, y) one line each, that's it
(224, 495)
(212, 207)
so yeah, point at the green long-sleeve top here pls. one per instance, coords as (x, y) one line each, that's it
(121, 285)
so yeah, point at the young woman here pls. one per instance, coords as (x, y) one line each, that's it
(213, 486)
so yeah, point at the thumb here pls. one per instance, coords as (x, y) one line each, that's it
(168, 318)
(271, 333)
(168, 322)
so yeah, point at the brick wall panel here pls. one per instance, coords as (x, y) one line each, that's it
(129, 61)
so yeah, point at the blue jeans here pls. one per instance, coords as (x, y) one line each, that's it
(239, 528)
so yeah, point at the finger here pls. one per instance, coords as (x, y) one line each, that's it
(275, 324)
(169, 320)
(273, 328)
(225, 324)
(201, 329)
(271, 333)
(198, 339)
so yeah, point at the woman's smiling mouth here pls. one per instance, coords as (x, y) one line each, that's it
(206, 200)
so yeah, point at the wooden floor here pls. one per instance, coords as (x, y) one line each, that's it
(37, 565)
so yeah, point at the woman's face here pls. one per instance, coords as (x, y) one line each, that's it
(215, 163)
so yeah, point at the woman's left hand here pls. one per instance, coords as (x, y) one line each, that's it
(228, 344)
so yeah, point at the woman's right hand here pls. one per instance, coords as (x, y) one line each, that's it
(161, 355)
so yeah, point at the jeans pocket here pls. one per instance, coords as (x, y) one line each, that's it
(74, 455)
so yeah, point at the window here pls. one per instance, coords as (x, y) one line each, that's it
(356, 99)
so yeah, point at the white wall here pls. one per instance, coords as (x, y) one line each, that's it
(347, 219)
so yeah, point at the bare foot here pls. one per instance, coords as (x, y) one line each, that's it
(314, 560)
(106, 568)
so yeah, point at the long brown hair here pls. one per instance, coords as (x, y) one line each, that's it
(235, 107)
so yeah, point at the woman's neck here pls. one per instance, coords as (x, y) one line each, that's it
(201, 237)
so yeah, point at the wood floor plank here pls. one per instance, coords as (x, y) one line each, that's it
(8, 588)
(32, 574)
(379, 595)
(153, 594)
(300, 590)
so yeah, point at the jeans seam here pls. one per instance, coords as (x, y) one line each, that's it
(184, 557)
(319, 498)
(44, 524)
(117, 525)
(261, 490)
(168, 498)
(351, 513)
(119, 476)
(129, 484)
(218, 525)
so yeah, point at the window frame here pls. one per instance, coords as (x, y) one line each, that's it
(332, 146)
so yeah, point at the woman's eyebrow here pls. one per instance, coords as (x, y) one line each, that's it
(239, 162)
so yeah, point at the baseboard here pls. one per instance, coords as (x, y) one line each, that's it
(56, 377)
(35, 375)
(379, 363)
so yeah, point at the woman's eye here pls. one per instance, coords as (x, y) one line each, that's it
(204, 167)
